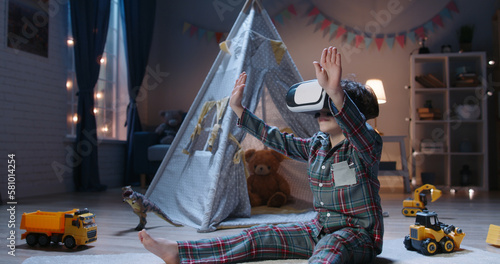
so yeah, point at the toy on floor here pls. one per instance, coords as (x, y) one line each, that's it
(73, 228)
(493, 235)
(429, 236)
(142, 205)
(265, 185)
(412, 207)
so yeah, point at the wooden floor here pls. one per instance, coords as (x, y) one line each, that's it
(116, 222)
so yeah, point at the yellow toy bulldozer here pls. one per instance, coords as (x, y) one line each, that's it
(412, 207)
(429, 236)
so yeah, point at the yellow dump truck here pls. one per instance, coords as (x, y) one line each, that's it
(73, 228)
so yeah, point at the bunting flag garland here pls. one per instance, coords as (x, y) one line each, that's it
(368, 41)
(343, 32)
(401, 39)
(357, 38)
(379, 41)
(201, 32)
(287, 13)
(219, 36)
(389, 40)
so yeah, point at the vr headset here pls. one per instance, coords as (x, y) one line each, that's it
(306, 96)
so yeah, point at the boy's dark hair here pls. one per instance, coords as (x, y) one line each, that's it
(363, 96)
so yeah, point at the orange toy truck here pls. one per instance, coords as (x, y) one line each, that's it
(73, 228)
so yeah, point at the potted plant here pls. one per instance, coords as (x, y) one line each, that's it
(465, 35)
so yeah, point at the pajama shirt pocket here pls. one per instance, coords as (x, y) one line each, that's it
(343, 174)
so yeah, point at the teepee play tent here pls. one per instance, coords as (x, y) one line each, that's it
(201, 181)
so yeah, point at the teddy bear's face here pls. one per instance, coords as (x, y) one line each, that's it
(172, 118)
(263, 162)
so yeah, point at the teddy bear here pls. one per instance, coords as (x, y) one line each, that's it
(167, 130)
(265, 185)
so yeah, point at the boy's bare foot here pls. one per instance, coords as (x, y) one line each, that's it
(165, 249)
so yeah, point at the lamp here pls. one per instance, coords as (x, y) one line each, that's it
(378, 88)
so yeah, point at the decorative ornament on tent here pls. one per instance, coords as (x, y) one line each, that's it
(355, 37)
(277, 46)
(196, 31)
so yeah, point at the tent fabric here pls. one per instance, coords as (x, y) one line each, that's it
(201, 181)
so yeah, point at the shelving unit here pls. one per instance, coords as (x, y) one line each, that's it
(452, 138)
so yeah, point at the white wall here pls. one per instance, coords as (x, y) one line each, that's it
(33, 118)
(188, 59)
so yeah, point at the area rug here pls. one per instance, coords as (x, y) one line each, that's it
(394, 252)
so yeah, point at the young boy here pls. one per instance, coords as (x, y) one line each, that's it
(343, 163)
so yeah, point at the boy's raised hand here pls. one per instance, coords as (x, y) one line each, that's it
(329, 73)
(237, 95)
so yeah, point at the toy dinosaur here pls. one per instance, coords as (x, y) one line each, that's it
(142, 205)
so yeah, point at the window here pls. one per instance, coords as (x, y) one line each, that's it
(110, 93)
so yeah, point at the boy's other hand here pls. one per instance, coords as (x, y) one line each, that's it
(237, 95)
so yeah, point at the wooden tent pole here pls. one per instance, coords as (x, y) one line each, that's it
(251, 3)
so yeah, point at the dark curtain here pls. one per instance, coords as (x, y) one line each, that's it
(89, 21)
(139, 19)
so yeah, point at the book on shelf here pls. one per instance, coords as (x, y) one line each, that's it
(429, 147)
(429, 81)
(426, 113)
(467, 80)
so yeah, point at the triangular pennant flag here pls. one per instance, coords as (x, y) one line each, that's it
(286, 14)
(210, 35)
(314, 12)
(186, 27)
(350, 37)
(218, 36)
(279, 18)
(333, 28)
(379, 41)
(445, 13)
(420, 32)
(401, 39)
(193, 30)
(201, 32)
(429, 26)
(368, 41)
(452, 7)
(340, 31)
(319, 18)
(291, 9)
(389, 41)
(359, 40)
(325, 24)
(438, 21)
(411, 36)
(279, 49)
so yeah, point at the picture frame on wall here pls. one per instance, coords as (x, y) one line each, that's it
(28, 26)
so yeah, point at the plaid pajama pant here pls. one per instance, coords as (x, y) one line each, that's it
(285, 241)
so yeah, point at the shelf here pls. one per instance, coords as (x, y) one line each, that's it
(418, 153)
(464, 140)
(431, 90)
(467, 153)
(465, 89)
(434, 122)
(445, 121)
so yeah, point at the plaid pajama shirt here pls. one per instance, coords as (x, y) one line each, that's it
(344, 183)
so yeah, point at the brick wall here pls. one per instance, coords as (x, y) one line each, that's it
(33, 117)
